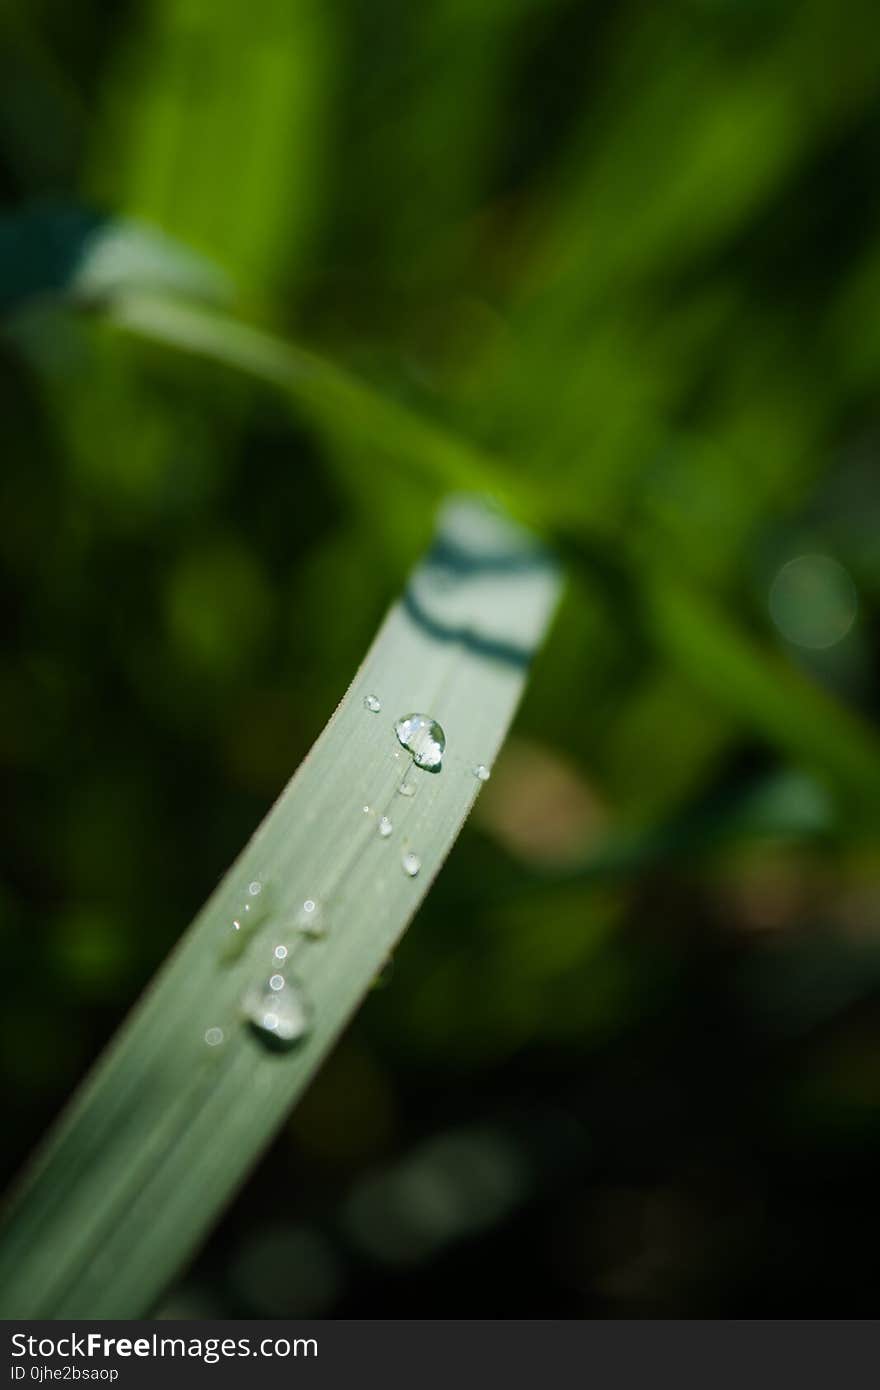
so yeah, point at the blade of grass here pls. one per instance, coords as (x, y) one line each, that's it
(334, 398)
(756, 685)
(167, 1125)
(762, 690)
(165, 132)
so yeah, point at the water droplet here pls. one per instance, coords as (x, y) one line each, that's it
(372, 703)
(411, 864)
(482, 773)
(252, 910)
(279, 1017)
(367, 810)
(213, 1036)
(310, 919)
(276, 982)
(422, 736)
(407, 789)
(281, 953)
(385, 827)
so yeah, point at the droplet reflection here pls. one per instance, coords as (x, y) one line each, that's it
(280, 1017)
(422, 736)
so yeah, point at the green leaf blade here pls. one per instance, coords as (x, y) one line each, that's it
(167, 1126)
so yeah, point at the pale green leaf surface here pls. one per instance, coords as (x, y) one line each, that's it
(166, 1127)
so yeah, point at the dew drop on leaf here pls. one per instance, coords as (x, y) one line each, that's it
(311, 920)
(411, 864)
(279, 1016)
(252, 909)
(422, 736)
(385, 827)
(372, 703)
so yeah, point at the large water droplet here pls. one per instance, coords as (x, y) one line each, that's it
(385, 827)
(407, 789)
(411, 864)
(280, 1016)
(482, 773)
(372, 703)
(422, 736)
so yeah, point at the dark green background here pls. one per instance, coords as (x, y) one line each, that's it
(627, 1063)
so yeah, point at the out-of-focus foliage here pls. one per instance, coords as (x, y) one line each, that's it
(619, 264)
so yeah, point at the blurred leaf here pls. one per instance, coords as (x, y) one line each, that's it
(82, 255)
(208, 99)
(768, 694)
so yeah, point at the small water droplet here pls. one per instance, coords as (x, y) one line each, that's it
(385, 827)
(407, 789)
(276, 982)
(367, 810)
(251, 911)
(310, 919)
(421, 735)
(213, 1036)
(411, 864)
(281, 953)
(279, 1017)
(372, 703)
(482, 773)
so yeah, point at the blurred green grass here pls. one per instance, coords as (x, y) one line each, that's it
(619, 265)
